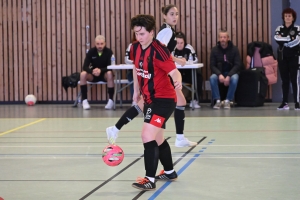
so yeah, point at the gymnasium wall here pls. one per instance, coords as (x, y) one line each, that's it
(41, 41)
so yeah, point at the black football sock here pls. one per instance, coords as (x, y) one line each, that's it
(111, 92)
(83, 92)
(165, 156)
(179, 119)
(129, 115)
(151, 155)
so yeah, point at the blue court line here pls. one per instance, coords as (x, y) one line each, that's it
(169, 182)
(164, 186)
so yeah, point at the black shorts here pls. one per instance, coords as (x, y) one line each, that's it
(159, 111)
(99, 78)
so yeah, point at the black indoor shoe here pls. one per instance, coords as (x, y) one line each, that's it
(144, 184)
(166, 177)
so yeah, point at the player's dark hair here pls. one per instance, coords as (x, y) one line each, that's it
(146, 21)
(133, 37)
(167, 8)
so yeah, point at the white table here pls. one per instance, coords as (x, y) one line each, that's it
(120, 67)
(118, 79)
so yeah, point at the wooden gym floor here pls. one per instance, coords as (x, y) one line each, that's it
(54, 152)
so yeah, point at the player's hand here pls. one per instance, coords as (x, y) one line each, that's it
(227, 81)
(96, 72)
(177, 85)
(221, 78)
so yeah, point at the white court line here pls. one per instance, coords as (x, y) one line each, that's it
(203, 157)
(124, 144)
(98, 146)
(251, 145)
(189, 157)
(52, 146)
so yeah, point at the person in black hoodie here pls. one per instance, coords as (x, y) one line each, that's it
(287, 36)
(225, 64)
(95, 70)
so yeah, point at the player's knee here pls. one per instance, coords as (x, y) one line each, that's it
(109, 75)
(180, 98)
(147, 137)
(83, 75)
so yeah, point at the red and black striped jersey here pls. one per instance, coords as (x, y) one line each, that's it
(152, 66)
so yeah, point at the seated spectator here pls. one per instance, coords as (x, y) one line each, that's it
(225, 64)
(95, 70)
(183, 50)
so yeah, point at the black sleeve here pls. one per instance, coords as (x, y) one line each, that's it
(107, 62)
(87, 62)
(128, 59)
(236, 63)
(188, 54)
(278, 38)
(295, 40)
(213, 62)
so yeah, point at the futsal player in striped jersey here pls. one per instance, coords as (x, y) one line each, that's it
(153, 64)
(166, 36)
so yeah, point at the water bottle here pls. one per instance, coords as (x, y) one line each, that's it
(190, 61)
(113, 60)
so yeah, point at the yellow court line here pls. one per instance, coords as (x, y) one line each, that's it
(12, 130)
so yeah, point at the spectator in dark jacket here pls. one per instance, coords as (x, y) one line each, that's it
(225, 64)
